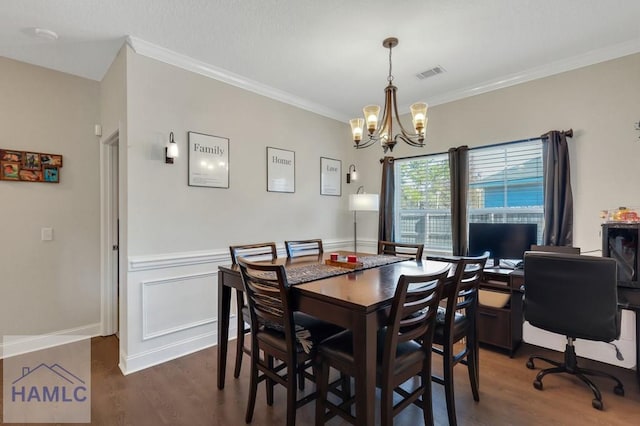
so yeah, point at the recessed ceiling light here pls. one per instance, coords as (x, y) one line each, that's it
(45, 34)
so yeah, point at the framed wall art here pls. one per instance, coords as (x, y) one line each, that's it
(330, 174)
(281, 170)
(208, 160)
(28, 166)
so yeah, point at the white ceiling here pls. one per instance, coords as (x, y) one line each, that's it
(327, 55)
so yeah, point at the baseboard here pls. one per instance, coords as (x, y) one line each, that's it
(140, 361)
(24, 344)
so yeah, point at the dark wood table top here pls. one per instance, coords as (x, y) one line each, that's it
(360, 290)
(369, 289)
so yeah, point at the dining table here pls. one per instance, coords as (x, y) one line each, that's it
(357, 299)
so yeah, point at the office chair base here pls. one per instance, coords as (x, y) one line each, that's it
(570, 366)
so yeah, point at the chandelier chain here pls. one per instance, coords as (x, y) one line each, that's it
(390, 78)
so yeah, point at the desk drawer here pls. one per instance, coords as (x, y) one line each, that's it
(494, 326)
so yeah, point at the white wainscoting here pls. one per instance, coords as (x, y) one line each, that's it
(172, 304)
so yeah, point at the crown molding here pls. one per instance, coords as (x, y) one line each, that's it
(579, 61)
(592, 57)
(170, 57)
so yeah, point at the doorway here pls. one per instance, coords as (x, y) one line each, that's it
(110, 240)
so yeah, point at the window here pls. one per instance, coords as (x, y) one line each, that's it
(423, 202)
(505, 186)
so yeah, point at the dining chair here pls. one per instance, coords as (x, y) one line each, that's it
(411, 251)
(279, 333)
(255, 252)
(457, 322)
(404, 352)
(303, 247)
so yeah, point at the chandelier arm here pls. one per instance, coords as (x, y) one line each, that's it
(402, 129)
(408, 140)
(385, 125)
(366, 144)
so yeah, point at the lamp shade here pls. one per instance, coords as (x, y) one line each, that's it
(172, 150)
(364, 202)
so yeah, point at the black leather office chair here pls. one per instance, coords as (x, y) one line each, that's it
(575, 296)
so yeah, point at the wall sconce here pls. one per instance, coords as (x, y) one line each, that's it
(171, 151)
(352, 174)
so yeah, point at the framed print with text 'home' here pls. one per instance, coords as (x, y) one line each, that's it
(281, 170)
(208, 160)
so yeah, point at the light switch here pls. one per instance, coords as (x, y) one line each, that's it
(46, 234)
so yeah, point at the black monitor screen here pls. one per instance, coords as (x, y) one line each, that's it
(502, 240)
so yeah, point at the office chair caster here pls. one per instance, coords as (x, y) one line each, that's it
(597, 404)
(537, 384)
(618, 390)
(530, 365)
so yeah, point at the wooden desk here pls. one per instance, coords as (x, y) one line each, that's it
(502, 326)
(357, 301)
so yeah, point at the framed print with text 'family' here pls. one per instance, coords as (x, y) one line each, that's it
(208, 160)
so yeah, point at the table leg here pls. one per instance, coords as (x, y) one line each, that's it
(364, 348)
(224, 311)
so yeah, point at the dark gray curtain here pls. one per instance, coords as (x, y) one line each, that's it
(558, 198)
(387, 192)
(459, 181)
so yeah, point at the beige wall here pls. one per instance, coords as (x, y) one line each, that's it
(600, 102)
(178, 235)
(50, 286)
(167, 216)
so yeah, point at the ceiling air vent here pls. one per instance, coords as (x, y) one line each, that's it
(431, 72)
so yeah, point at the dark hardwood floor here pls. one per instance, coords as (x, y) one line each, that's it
(184, 392)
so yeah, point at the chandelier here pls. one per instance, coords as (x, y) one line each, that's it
(382, 131)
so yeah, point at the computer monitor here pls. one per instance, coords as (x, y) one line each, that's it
(503, 241)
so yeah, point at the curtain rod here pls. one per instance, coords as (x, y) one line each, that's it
(568, 133)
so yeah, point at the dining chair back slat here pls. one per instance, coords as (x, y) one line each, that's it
(410, 251)
(303, 247)
(253, 252)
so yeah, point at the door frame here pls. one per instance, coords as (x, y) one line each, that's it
(109, 264)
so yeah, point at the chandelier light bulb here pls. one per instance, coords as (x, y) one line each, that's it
(357, 126)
